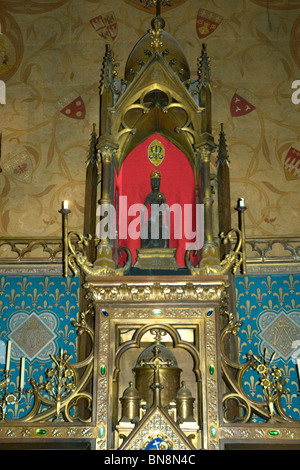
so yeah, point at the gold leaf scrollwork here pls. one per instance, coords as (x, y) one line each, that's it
(77, 261)
(231, 261)
(57, 398)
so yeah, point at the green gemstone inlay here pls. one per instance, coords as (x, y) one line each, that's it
(274, 433)
(41, 431)
(102, 370)
(211, 370)
(156, 311)
(101, 431)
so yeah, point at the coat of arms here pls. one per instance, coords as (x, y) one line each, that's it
(105, 26)
(75, 109)
(156, 152)
(207, 22)
(292, 164)
(19, 167)
(243, 102)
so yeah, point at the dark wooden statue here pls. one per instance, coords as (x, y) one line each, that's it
(155, 230)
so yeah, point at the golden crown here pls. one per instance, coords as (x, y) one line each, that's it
(155, 174)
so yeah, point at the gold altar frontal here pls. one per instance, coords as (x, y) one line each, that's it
(157, 360)
(156, 258)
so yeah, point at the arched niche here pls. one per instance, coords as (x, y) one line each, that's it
(156, 98)
(180, 186)
(181, 344)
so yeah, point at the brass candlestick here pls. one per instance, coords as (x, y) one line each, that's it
(65, 211)
(241, 208)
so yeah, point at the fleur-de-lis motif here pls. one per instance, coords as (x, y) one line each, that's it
(23, 305)
(247, 284)
(269, 306)
(2, 308)
(3, 285)
(291, 283)
(34, 296)
(66, 335)
(44, 306)
(76, 296)
(68, 284)
(289, 399)
(259, 296)
(281, 296)
(251, 384)
(46, 285)
(24, 285)
(287, 371)
(56, 297)
(293, 305)
(12, 297)
(67, 308)
(238, 296)
(269, 284)
(248, 308)
(249, 333)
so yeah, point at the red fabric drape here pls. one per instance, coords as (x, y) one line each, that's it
(177, 184)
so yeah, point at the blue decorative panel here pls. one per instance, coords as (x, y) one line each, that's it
(36, 312)
(269, 307)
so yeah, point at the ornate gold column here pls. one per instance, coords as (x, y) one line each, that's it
(105, 251)
(210, 251)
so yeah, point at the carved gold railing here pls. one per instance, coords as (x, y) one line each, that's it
(276, 249)
(263, 250)
(32, 250)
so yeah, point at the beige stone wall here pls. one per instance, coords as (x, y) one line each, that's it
(50, 60)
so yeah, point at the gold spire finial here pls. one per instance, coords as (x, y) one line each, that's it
(157, 23)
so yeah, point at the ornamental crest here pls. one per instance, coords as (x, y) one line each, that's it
(207, 22)
(292, 164)
(106, 26)
(156, 152)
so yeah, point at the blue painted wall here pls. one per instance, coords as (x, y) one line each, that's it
(269, 307)
(36, 312)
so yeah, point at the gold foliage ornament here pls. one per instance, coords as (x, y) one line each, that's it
(74, 253)
(58, 397)
(270, 378)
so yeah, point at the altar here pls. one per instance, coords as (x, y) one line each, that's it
(157, 360)
(130, 326)
(158, 280)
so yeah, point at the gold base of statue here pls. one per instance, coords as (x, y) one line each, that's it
(156, 258)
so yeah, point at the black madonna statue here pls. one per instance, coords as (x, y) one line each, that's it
(155, 230)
